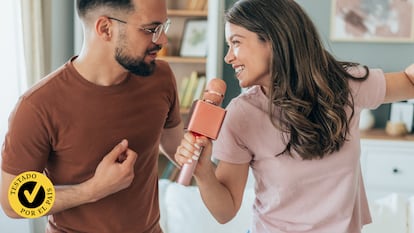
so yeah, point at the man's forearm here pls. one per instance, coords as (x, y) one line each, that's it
(66, 197)
(69, 196)
(170, 140)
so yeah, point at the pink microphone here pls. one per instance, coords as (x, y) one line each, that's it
(205, 118)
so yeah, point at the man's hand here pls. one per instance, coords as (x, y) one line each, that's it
(114, 173)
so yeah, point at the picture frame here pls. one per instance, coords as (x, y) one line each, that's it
(372, 21)
(194, 39)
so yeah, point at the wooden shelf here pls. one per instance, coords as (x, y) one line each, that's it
(187, 60)
(380, 134)
(185, 110)
(187, 13)
(180, 12)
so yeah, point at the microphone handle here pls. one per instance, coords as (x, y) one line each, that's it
(187, 171)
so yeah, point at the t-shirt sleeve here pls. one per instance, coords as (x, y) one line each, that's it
(174, 115)
(26, 146)
(369, 93)
(229, 145)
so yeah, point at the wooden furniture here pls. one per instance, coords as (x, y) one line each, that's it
(180, 11)
(179, 14)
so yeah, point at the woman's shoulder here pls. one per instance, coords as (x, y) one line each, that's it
(370, 92)
(251, 99)
(250, 94)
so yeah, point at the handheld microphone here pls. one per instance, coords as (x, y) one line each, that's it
(205, 118)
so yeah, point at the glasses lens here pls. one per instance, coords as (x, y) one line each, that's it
(167, 25)
(157, 33)
(159, 29)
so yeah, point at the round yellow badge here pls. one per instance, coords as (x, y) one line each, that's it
(31, 194)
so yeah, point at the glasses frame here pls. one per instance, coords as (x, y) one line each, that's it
(156, 32)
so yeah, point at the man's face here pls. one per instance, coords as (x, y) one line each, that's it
(136, 64)
(135, 48)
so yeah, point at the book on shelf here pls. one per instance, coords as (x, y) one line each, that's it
(197, 4)
(201, 84)
(182, 88)
(191, 88)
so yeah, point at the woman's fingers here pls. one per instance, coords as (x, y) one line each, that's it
(183, 155)
(188, 151)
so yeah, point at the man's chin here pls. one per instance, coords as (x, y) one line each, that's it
(146, 70)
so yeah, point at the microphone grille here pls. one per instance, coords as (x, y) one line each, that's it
(214, 92)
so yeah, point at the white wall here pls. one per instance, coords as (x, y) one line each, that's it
(9, 91)
(58, 17)
(61, 32)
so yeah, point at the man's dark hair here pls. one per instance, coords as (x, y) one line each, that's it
(85, 6)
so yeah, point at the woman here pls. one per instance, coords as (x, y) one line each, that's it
(296, 126)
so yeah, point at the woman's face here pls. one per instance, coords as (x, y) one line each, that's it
(249, 56)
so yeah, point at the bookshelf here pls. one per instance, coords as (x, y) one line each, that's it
(186, 60)
(208, 66)
(187, 13)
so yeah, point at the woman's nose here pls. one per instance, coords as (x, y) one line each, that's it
(229, 56)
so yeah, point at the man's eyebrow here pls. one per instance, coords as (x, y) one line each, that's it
(154, 23)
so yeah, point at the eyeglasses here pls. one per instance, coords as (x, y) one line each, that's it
(156, 32)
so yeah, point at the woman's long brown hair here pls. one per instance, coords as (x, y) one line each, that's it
(310, 87)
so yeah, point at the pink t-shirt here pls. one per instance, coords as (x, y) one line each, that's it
(295, 195)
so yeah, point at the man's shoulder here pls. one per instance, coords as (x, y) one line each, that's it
(163, 66)
(43, 85)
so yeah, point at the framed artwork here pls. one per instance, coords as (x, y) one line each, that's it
(372, 20)
(194, 39)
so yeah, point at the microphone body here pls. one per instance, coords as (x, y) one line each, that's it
(205, 118)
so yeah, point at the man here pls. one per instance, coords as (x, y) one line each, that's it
(94, 126)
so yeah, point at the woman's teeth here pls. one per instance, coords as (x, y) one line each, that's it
(239, 69)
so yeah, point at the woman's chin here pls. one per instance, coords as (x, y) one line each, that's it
(243, 84)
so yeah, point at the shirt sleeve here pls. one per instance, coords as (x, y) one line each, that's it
(174, 115)
(26, 146)
(229, 146)
(369, 93)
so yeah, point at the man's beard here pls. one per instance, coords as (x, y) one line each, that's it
(136, 66)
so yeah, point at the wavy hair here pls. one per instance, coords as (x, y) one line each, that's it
(309, 86)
